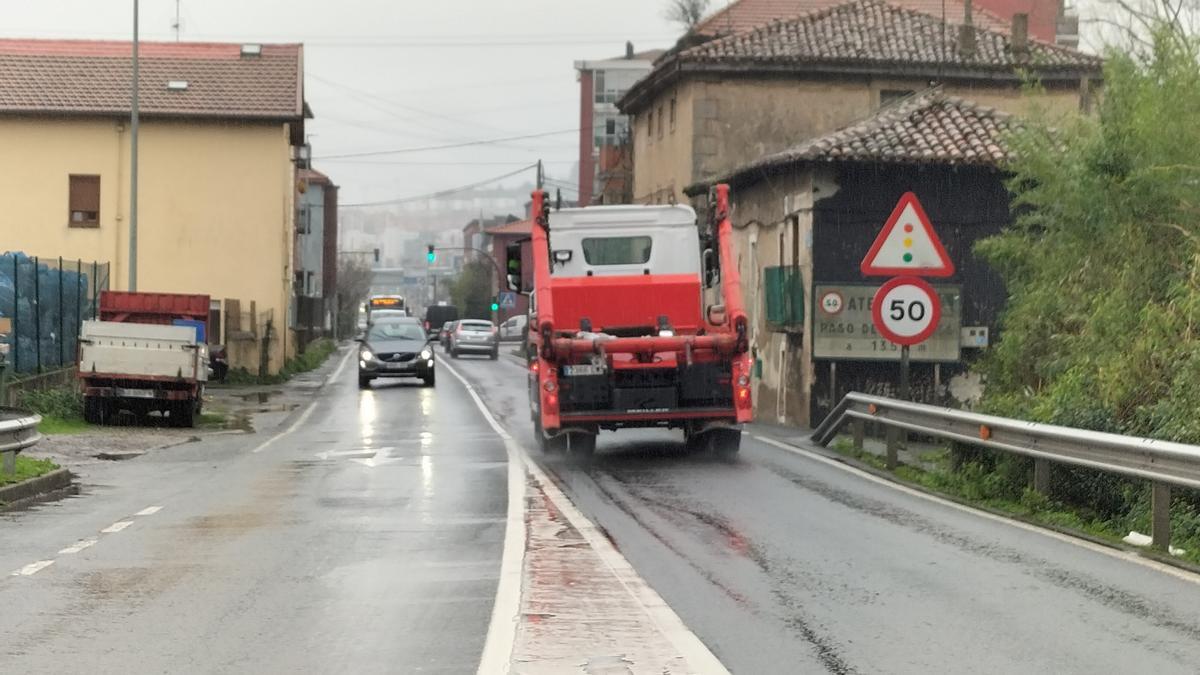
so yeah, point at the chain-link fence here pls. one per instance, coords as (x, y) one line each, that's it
(45, 301)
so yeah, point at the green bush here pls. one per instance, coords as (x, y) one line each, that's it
(64, 403)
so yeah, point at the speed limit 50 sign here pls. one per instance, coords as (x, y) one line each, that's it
(906, 310)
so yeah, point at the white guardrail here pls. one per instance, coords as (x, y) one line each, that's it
(18, 430)
(1164, 463)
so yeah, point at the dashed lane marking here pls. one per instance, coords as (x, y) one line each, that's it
(79, 546)
(116, 527)
(149, 511)
(33, 568)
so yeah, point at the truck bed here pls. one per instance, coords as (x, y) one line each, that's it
(141, 351)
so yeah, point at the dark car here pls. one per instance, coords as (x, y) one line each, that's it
(395, 348)
(444, 334)
(474, 336)
(438, 316)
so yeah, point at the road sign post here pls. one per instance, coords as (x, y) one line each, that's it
(906, 310)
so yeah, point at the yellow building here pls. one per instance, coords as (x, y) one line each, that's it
(220, 125)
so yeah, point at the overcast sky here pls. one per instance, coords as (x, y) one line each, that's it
(390, 74)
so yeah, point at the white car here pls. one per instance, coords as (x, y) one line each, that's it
(514, 328)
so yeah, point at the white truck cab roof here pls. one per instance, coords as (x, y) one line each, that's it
(624, 240)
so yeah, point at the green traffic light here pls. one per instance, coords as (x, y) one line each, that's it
(495, 307)
(431, 257)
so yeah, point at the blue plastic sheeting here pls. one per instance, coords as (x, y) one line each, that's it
(45, 331)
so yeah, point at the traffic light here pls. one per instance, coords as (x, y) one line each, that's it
(495, 305)
(431, 255)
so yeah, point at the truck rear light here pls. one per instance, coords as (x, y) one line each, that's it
(533, 367)
(552, 401)
(743, 381)
(743, 394)
(550, 386)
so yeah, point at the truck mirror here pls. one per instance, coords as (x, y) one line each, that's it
(512, 266)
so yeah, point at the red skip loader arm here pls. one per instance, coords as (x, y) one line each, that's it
(540, 245)
(731, 277)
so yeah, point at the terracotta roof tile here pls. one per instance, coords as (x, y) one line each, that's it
(745, 15)
(90, 77)
(930, 127)
(876, 32)
(516, 227)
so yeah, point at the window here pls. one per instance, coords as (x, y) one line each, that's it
(660, 121)
(784, 288)
(84, 201)
(672, 115)
(610, 127)
(598, 85)
(890, 96)
(650, 125)
(616, 250)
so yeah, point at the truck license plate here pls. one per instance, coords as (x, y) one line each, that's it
(583, 369)
(136, 393)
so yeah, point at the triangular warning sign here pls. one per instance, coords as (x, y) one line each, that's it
(907, 245)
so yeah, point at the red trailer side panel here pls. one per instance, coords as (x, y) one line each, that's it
(157, 308)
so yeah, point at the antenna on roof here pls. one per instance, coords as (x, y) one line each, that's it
(177, 25)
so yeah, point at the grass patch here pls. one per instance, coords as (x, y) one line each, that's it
(58, 426)
(27, 468)
(61, 409)
(999, 483)
(314, 355)
(211, 419)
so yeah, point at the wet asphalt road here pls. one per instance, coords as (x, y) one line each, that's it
(782, 563)
(368, 541)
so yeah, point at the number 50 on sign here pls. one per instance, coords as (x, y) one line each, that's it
(906, 310)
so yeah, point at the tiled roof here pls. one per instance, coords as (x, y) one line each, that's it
(92, 77)
(874, 31)
(516, 227)
(314, 176)
(746, 15)
(928, 128)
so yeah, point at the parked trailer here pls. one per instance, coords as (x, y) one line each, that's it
(147, 353)
(619, 333)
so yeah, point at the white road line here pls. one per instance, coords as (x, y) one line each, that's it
(116, 527)
(1127, 556)
(502, 631)
(149, 511)
(79, 546)
(307, 411)
(33, 568)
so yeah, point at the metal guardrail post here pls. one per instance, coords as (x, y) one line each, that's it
(10, 462)
(1041, 476)
(859, 428)
(1160, 515)
(893, 447)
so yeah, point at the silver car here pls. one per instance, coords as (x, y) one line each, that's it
(474, 336)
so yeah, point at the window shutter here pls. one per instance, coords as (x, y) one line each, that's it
(784, 290)
(774, 294)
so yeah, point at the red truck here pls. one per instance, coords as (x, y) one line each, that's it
(146, 353)
(619, 334)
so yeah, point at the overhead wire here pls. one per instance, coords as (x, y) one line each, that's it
(465, 144)
(440, 193)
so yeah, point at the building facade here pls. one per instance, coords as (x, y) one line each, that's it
(601, 84)
(804, 219)
(315, 277)
(217, 182)
(708, 109)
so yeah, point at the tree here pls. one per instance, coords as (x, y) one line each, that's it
(472, 290)
(353, 284)
(1102, 327)
(687, 13)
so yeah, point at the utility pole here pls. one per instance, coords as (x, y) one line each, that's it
(133, 160)
(540, 177)
(176, 26)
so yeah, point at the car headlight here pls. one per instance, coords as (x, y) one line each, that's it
(427, 353)
(366, 355)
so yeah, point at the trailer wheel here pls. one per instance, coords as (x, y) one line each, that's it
(182, 414)
(94, 410)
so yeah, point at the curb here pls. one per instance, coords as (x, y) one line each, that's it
(15, 495)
